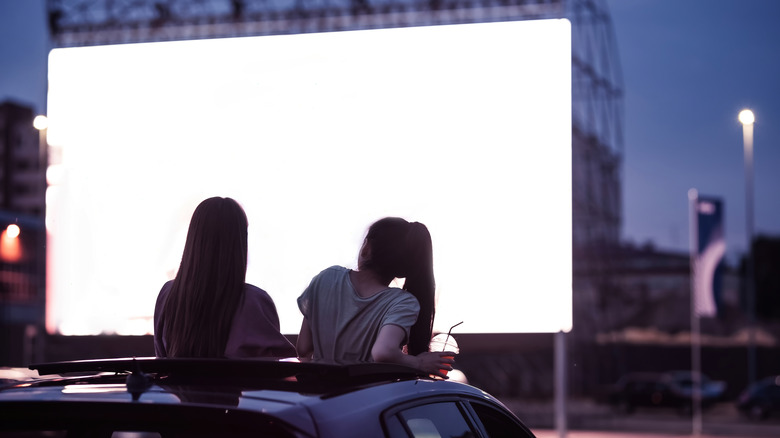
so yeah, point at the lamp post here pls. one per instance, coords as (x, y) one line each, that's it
(747, 119)
(41, 123)
(33, 340)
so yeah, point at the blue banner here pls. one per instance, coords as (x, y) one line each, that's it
(711, 248)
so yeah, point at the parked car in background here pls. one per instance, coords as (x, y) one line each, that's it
(761, 399)
(711, 390)
(673, 389)
(152, 397)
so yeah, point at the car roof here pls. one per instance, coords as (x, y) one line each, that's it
(304, 395)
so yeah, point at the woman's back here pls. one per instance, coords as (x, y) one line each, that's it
(254, 331)
(195, 314)
(353, 316)
(344, 324)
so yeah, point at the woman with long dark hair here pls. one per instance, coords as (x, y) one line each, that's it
(354, 316)
(209, 310)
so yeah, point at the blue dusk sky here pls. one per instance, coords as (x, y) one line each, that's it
(688, 68)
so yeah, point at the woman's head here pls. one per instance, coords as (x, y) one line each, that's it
(217, 238)
(209, 285)
(396, 248)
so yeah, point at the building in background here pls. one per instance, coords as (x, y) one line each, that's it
(22, 236)
(22, 165)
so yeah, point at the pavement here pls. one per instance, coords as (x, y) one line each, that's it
(544, 433)
(586, 419)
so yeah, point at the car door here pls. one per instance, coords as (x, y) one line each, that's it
(452, 418)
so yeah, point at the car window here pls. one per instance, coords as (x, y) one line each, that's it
(499, 425)
(436, 420)
(394, 428)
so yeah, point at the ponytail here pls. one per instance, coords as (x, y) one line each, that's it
(400, 249)
(420, 283)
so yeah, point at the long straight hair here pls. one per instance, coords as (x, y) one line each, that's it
(402, 249)
(209, 286)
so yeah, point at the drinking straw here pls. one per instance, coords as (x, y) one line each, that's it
(448, 333)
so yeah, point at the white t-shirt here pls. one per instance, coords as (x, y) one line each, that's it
(344, 325)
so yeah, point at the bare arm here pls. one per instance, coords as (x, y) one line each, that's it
(305, 345)
(386, 349)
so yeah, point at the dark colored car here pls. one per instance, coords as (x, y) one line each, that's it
(150, 397)
(761, 399)
(672, 389)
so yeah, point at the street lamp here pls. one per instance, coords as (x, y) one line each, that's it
(747, 119)
(41, 123)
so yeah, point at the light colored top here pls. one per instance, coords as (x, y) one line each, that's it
(254, 332)
(344, 325)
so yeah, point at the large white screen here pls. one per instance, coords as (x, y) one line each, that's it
(466, 128)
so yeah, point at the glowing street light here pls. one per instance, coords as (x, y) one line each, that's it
(40, 122)
(13, 231)
(10, 247)
(747, 119)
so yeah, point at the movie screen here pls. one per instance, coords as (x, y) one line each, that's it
(465, 128)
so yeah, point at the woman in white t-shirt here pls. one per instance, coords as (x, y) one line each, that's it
(353, 316)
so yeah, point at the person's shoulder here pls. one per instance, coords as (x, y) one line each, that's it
(162, 296)
(252, 288)
(166, 287)
(401, 296)
(253, 291)
(256, 297)
(333, 271)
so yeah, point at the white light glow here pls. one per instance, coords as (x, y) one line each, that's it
(746, 117)
(40, 122)
(10, 247)
(12, 231)
(465, 128)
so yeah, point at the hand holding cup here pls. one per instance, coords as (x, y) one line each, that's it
(437, 363)
(447, 348)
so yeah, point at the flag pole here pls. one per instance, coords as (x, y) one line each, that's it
(696, 421)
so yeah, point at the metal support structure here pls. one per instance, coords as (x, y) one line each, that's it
(560, 384)
(597, 111)
(98, 22)
(597, 107)
(596, 77)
